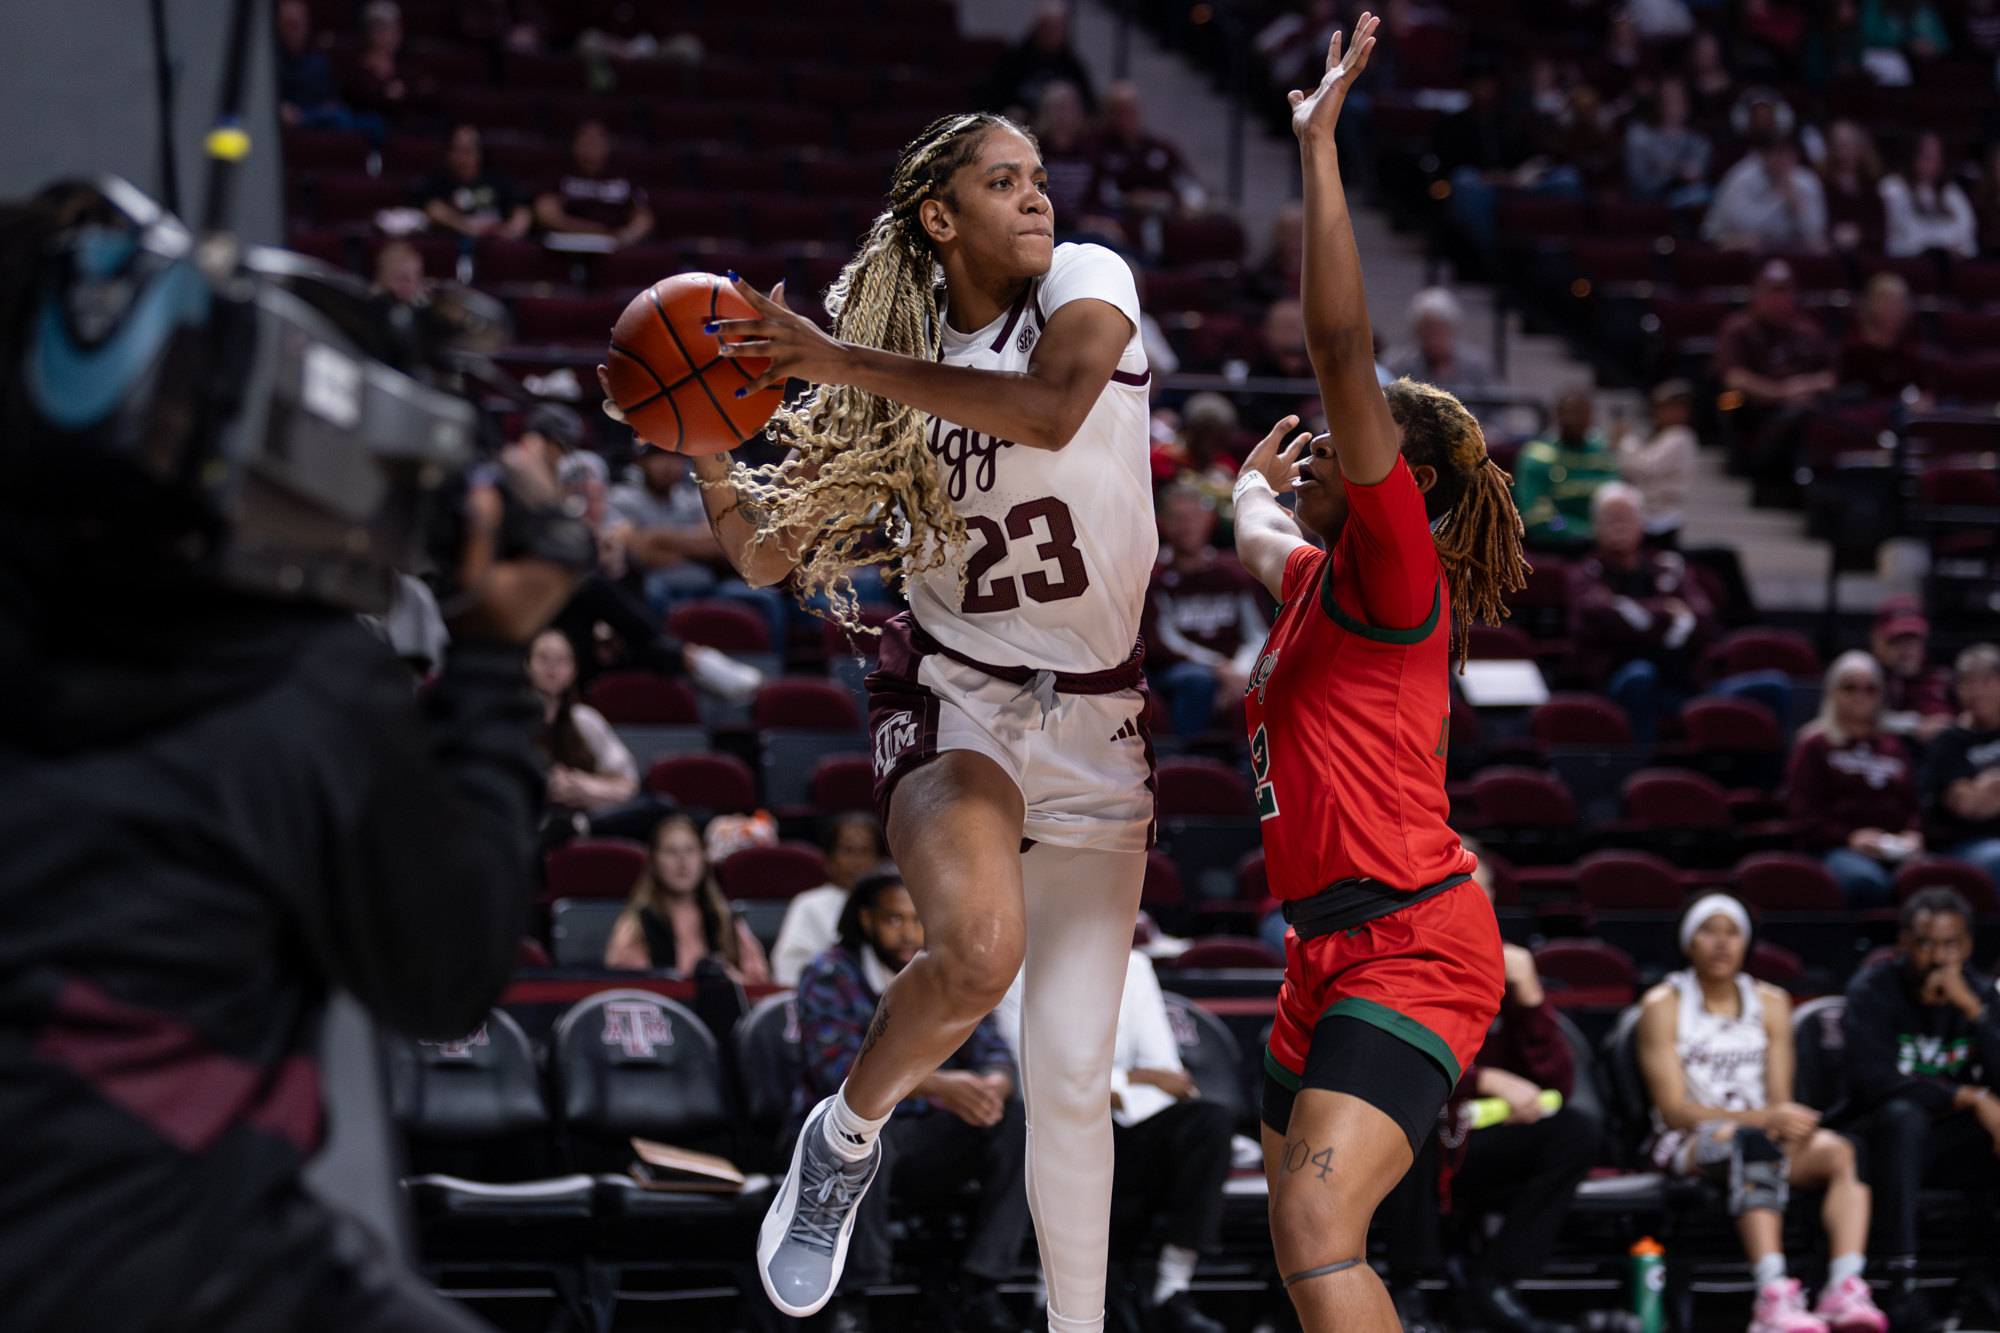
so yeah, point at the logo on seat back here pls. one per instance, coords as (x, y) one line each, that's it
(462, 1048)
(636, 1026)
(897, 734)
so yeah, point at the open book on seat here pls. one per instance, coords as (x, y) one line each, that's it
(662, 1166)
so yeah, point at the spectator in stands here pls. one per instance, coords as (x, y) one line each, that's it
(853, 845)
(1583, 140)
(670, 539)
(1909, 25)
(1172, 1148)
(1715, 1048)
(469, 197)
(1962, 766)
(378, 82)
(1851, 177)
(1883, 354)
(1781, 363)
(677, 917)
(1201, 456)
(399, 273)
(1922, 1049)
(1711, 87)
(1202, 626)
(1044, 56)
(1665, 158)
(589, 767)
(1925, 209)
(1916, 696)
(502, 25)
(1982, 29)
(1853, 786)
(1285, 341)
(308, 91)
(1069, 155)
(1435, 353)
(1556, 475)
(1277, 277)
(1139, 172)
(589, 200)
(1662, 469)
(1525, 1167)
(964, 1121)
(1768, 201)
(1639, 619)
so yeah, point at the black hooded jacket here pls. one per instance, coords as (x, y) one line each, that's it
(213, 811)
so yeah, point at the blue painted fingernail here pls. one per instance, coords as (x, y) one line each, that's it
(733, 277)
(708, 328)
(741, 392)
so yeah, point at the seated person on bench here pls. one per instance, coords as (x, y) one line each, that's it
(1715, 1048)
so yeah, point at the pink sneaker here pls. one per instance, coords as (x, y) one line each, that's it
(1781, 1308)
(1849, 1307)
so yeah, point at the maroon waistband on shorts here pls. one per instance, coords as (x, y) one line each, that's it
(1123, 677)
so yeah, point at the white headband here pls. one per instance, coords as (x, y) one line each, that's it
(1708, 905)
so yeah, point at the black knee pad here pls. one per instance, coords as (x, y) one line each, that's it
(1756, 1169)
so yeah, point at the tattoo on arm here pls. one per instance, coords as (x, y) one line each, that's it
(876, 1026)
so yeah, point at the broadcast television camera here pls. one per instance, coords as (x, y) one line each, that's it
(252, 413)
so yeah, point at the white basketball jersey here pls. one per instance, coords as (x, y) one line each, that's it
(1722, 1058)
(1059, 543)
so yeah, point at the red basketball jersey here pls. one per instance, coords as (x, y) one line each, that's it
(1350, 706)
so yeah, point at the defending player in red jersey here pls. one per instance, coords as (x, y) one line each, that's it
(1392, 962)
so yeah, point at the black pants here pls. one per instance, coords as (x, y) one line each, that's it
(1177, 1161)
(1529, 1173)
(1903, 1151)
(927, 1157)
(599, 599)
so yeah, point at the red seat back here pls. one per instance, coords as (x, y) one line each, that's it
(1498, 643)
(718, 624)
(1522, 798)
(593, 868)
(1673, 798)
(1774, 964)
(803, 704)
(719, 782)
(1972, 883)
(1202, 787)
(1210, 239)
(844, 782)
(1788, 882)
(1730, 726)
(1770, 650)
(1582, 719)
(643, 699)
(1227, 951)
(1253, 882)
(1629, 881)
(1163, 883)
(1602, 972)
(784, 871)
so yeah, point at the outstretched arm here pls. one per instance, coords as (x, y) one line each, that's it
(1338, 338)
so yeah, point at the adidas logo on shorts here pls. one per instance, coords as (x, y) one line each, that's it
(1127, 732)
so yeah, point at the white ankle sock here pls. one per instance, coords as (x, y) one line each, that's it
(1769, 1269)
(1176, 1272)
(1845, 1266)
(850, 1134)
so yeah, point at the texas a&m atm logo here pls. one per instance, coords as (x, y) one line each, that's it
(898, 733)
(636, 1026)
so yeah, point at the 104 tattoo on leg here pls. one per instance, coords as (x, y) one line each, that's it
(1299, 1156)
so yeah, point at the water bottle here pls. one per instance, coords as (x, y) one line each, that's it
(1649, 1283)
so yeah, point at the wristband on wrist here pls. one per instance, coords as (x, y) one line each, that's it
(1252, 480)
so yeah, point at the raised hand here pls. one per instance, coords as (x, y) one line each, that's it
(1320, 108)
(796, 346)
(1275, 459)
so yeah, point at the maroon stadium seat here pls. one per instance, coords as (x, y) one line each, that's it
(715, 623)
(1253, 883)
(694, 213)
(888, 130)
(1788, 882)
(1202, 787)
(1582, 719)
(789, 127)
(829, 86)
(784, 871)
(844, 782)
(1964, 332)
(1972, 883)
(496, 260)
(1697, 267)
(927, 91)
(1491, 643)
(640, 266)
(719, 782)
(1613, 260)
(1507, 797)
(529, 953)
(1163, 884)
(803, 703)
(1622, 880)
(1524, 215)
(490, 109)
(328, 248)
(534, 69)
(1591, 972)
(782, 221)
(325, 150)
(1542, 607)
(349, 196)
(1625, 217)
(448, 68)
(1770, 650)
(1171, 292)
(412, 155)
(1671, 798)
(1976, 284)
(593, 868)
(753, 172)
(1720, 725)
(1774, 964)
(643, 699)
(1916, 270)
(1212, 239)
(531, 163)
(576, 321)
(695, 122)
(1225, 951)
(1974, 378)
(842, 177)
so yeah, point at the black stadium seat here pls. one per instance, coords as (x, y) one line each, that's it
(630, 1062)
(768, 1065)
(1212, 1057)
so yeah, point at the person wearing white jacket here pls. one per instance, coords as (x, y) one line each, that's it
(1924, 210)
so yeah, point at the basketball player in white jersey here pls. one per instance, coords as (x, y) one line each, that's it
(1013, 768)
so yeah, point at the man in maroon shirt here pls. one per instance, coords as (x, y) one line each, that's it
(1916, 697)
(1779, 363)
(1136, 171)
(1202, 624)
(1526, 1167)
(1853, 787)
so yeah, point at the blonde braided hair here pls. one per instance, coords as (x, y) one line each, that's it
(863, 462)
(1475, 525)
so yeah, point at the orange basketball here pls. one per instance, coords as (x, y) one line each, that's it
(667, 376)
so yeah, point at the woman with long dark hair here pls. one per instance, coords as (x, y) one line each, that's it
(677, 915)
(589, 767)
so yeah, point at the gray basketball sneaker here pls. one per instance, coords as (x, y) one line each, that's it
(802, 1245)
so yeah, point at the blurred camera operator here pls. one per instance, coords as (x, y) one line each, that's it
(218, 808)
